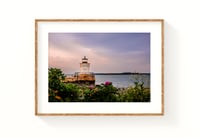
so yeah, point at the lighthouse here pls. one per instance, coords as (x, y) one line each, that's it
(84, 66)
(82, 77)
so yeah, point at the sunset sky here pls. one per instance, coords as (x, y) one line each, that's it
(107, 52)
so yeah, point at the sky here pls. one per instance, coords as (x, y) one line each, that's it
(106, 52)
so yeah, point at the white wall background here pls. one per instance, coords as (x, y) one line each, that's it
(182, 45)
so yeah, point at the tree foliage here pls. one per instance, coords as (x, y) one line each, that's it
(55, 78)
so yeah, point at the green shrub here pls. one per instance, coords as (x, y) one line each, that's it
(135, 94)
(101, 93)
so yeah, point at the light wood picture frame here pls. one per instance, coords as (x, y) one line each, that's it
(121, 63)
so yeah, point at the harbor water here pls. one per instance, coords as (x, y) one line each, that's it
(123, 81)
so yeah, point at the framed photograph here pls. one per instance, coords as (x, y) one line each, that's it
(110, 67)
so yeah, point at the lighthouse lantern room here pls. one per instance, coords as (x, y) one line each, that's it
(84, 66)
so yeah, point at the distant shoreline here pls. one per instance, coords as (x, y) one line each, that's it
(122, 73)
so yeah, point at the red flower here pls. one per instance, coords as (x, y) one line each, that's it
(108, 83)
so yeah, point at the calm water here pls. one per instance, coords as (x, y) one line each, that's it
(123, 80)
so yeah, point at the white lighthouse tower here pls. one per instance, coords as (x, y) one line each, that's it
(84, 66)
